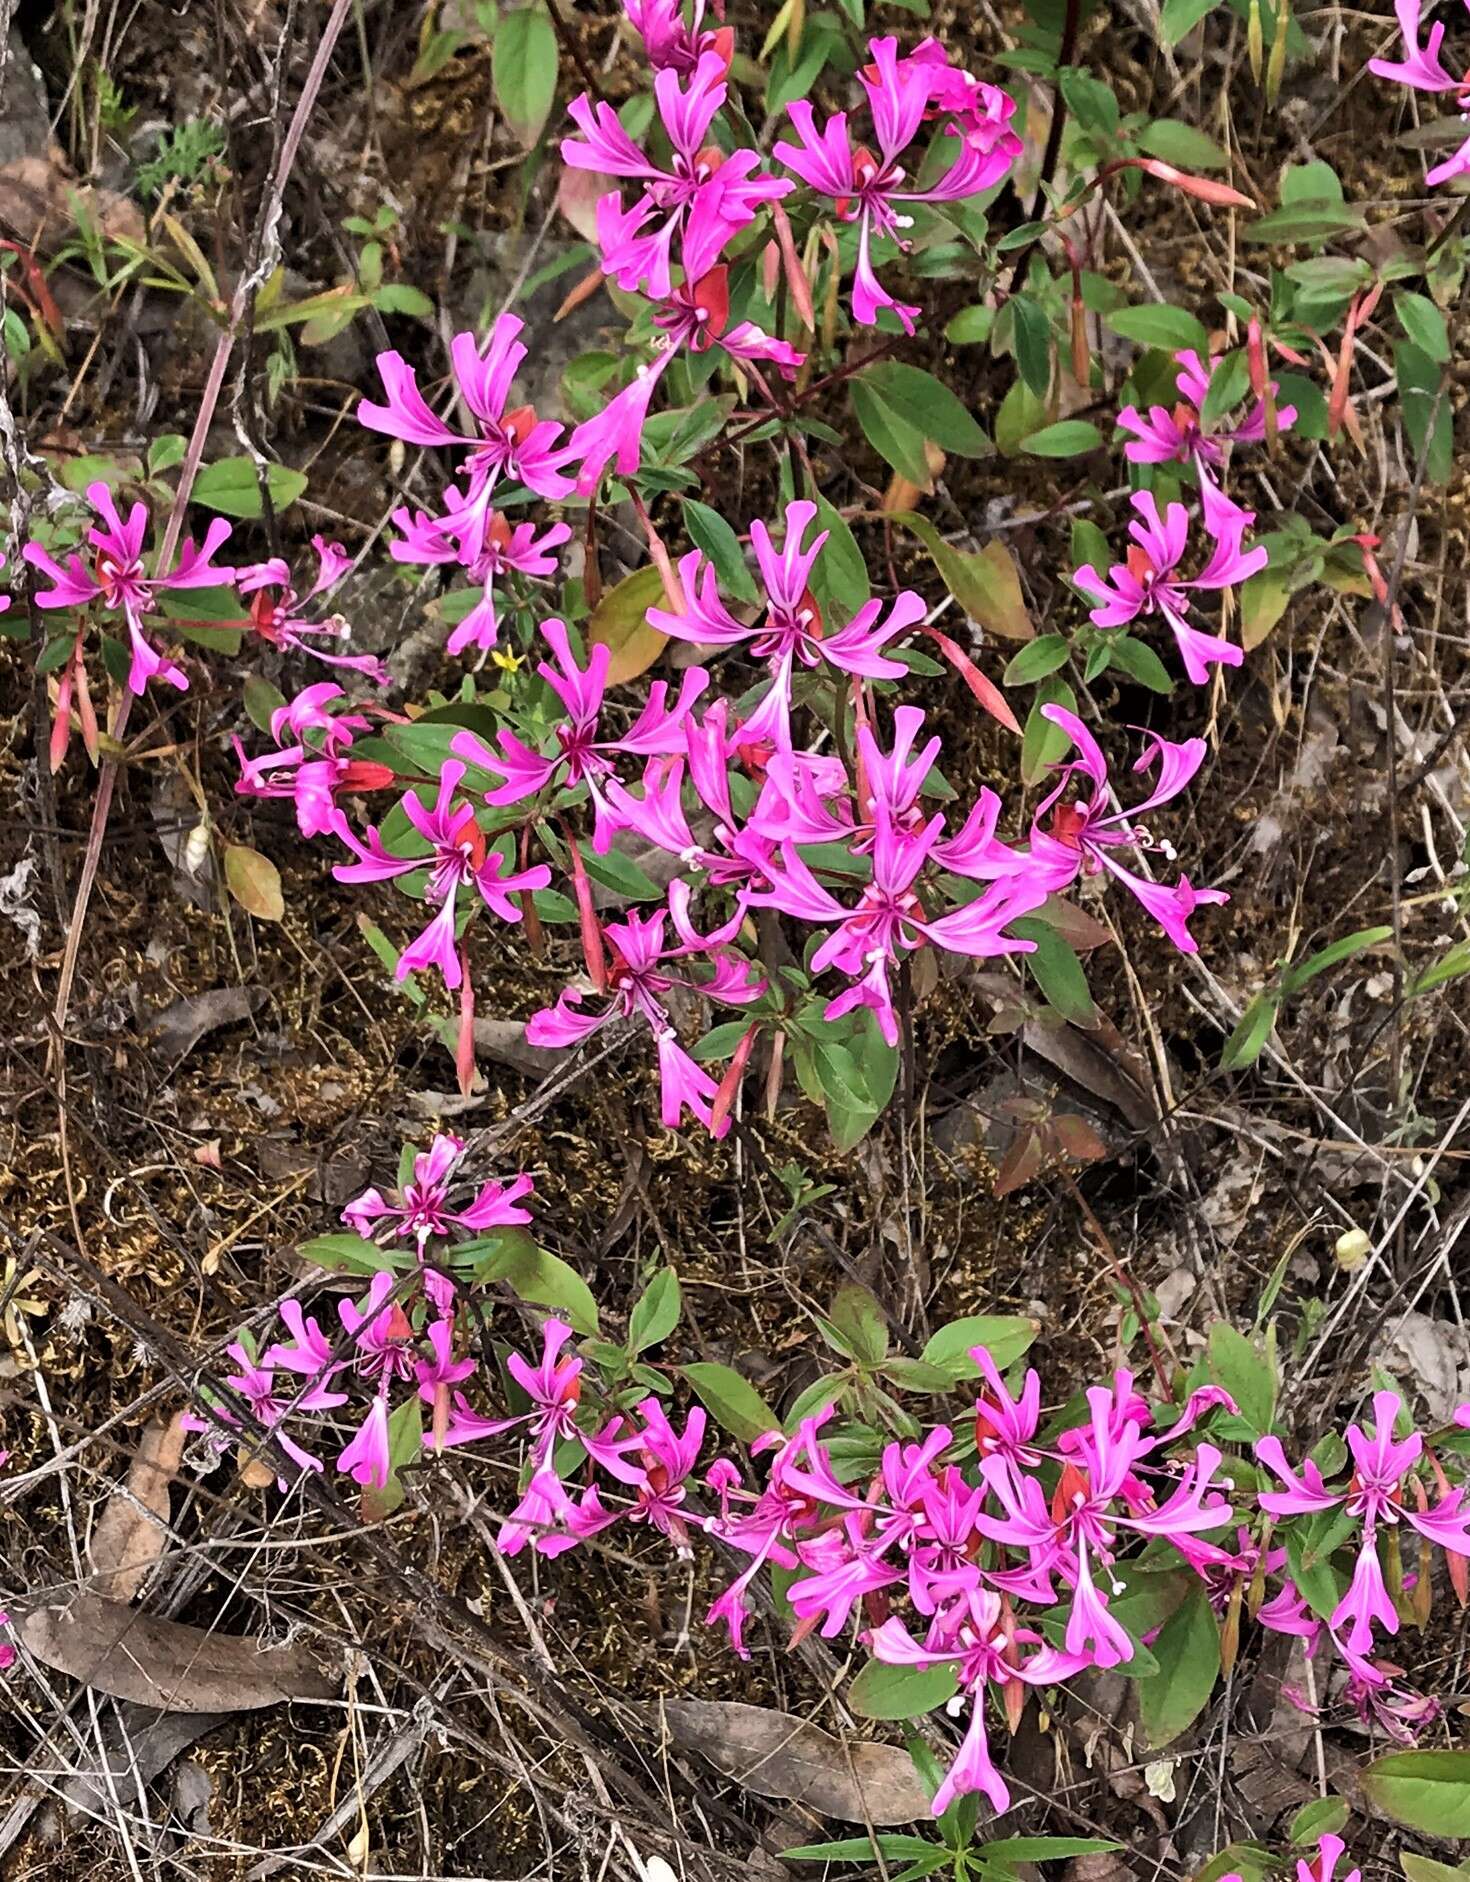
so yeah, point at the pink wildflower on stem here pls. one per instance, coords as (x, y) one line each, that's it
(1082, 836)
(867, 189)
(1375, 1498)
(1421, 69)
(506, 549)
(507, 443)
(583, 754)
(1148, 581)
(315, 766)
(275, 609)
(119, 579)
(698, 170)
(423, 1209)
(791, 633)
(638, 982)
(458, 857)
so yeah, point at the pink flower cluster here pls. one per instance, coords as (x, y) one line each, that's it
(894, 890)
(1001, 1552)
(1421, 69)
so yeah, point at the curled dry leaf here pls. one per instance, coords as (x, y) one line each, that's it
(775, 1755)
(132, 1530)
(130, 1655)
(180, 1027)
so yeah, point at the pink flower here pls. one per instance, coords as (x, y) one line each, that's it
(638, 981)
(505, 549)
(1422, 70)
(1177, 437)
(697, 169)
(664, 1460)
(367, 1457)
(766, 1523)
(458, 858)
(980, 1639)
(791, 632)
(423, 1208)
(508, 444)
(312, 775)
(890, 918)
(669, 41)
(694, 314)
(583, 755)
(865, 188)
(1373, 1497)
(1147, 582)
(275, 609)
(255, 1383)
(119, 579)
(1083, 835)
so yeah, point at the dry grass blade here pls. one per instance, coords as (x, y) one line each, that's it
(775, 1755)
(166, 1664)
(133, 1529)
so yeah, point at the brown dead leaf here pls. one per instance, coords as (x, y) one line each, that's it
(127, 1654)
(180, 1027)
(775, 1755)
(503, 1042)
(132, 1531)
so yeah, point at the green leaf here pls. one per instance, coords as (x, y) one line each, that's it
(523, 71)
(1179, 17)
(1006, 1337)
(1248, 1041)
(530, 1271)
(970, 326)
(1139, 662)
(1324, 1816)
(657, 1312)
(1090, 101)
(1187, 1649)
(713, 536)
(731, 1400)
(1296, 976)
(1229, 383)
(929, 405)
(1058, 972)
(1419, 392)
(1182, 145)
(1253, 1861)
(896, 441)
(623, 876)
(1247, 1375)
(1072, 437)
(900, 1692)
(1031, 333)
(984, 582)
(894, 1846)
(1011, 1851)
(841, 574)
(1422, 321)
(232, 487)
(261, 700)
(1169, 328)
(1035, 661)
(1428, 1791)
(350, 1254)
(1042, 743)
(859, 1319)
(1424, 1869)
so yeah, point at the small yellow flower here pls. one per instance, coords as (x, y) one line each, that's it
(507, 662)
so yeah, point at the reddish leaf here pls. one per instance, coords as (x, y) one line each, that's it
(986, 691)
